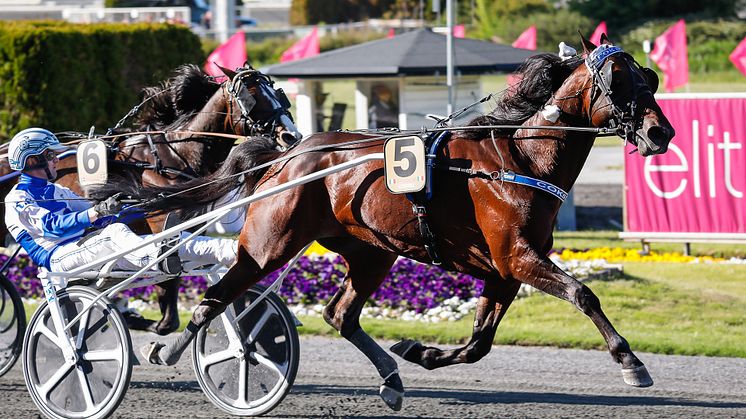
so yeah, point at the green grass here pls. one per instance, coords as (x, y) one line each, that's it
(662, 308)
(593, 239)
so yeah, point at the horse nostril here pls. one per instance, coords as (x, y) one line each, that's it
(658, 135)
(288, 138)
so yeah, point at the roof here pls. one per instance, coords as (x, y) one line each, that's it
(420, 52)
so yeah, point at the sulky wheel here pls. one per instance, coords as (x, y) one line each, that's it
(12, 325)
(253, 375)
(95, 384)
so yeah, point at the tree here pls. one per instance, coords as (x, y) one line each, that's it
(631, 12)
(493, 15)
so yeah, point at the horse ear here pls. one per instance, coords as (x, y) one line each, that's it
(228, 73)
(605, 39)
(588, 46)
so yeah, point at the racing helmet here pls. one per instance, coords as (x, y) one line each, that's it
(31, 142)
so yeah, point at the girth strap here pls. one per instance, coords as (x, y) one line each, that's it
(510, 176)
(427, 234)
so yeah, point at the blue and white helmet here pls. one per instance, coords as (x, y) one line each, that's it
(31, 142)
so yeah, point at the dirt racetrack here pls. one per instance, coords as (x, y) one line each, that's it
(335, 380)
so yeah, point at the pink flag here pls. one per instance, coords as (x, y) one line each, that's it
(596, 37)
(308, 46)
(231, 55)
(526, 40)
(738, 57)
(459, 31)
(670, 53)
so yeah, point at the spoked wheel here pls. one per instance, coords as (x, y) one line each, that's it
(251, 374)
(12, 325)
(95, 384)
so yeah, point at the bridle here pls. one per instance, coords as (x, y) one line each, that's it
(623, 119)
(237, 90)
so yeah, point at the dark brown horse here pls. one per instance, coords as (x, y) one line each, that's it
(491, 229)
(186, 114)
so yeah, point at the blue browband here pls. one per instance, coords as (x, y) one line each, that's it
(512, 177)
(597, 57)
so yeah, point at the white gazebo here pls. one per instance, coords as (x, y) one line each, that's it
(409, 70)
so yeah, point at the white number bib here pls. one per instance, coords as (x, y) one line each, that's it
(92, 163)
(404, 162)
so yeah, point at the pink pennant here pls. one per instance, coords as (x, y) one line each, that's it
(459, 31)
(600, 29)
(670, 53)
(231, 55)
(526, 40)
(308, 46)
(738, 56)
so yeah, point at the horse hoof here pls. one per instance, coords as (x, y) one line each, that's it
(637, 376)
(392, 397)
(150, 353)
(135, 321)
(404, 347)
(164, 329)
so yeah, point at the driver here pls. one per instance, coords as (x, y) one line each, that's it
(50, 221)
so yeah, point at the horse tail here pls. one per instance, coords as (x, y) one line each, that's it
(194, 196)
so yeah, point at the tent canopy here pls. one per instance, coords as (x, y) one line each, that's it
(420, 52)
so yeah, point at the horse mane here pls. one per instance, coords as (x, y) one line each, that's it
(541, 75)
(177, 99)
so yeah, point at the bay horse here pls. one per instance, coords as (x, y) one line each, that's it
(491, 229)
(186, 114)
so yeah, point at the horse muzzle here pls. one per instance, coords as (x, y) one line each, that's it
(654, 139)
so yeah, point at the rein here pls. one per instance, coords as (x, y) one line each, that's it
(506, 176)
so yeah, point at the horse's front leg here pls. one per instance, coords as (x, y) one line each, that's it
(240, 277)
(367, 267)
(538, 271)
(491, 307)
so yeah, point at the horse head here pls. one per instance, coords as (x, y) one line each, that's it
(620, 96)
(260, 109)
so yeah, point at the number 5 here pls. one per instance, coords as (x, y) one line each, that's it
(404, 161)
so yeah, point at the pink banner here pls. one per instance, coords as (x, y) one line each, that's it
(698, 185)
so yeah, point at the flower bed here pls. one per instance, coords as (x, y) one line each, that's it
(411, 291)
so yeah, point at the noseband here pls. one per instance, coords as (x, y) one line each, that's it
(237, 90)
(623, 120)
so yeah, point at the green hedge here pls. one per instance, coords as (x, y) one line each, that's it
(68, 77)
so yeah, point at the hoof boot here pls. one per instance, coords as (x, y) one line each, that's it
(150, 352)
(637, 376)
(393, 398)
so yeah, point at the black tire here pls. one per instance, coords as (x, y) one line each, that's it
(104, 364)
(12, 325)
(267, 366)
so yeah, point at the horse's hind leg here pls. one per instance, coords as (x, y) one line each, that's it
(539, 272)
(367, 267)
(491, 307)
